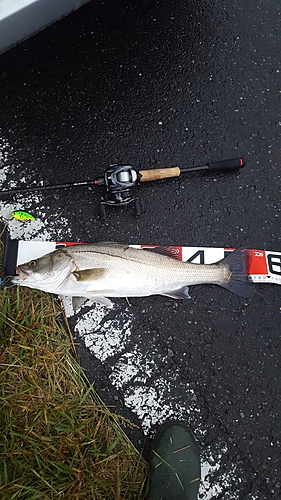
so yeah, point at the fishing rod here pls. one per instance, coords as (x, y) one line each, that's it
(119, 180)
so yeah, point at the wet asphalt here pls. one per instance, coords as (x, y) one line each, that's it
(158, 84)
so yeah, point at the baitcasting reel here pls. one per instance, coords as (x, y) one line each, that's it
(119, 181)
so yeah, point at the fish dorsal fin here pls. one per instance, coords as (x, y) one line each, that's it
(169, 251)
(89, 274)
(112, 244)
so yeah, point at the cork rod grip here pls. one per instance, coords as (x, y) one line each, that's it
(159, 173)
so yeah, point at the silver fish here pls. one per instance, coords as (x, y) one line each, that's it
(101, 270)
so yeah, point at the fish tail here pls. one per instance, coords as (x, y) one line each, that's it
(238, 281)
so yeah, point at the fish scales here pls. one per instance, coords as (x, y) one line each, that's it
(141, 272)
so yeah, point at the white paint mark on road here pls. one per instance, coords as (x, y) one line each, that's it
(104, 337)
(39, 229)
(4, 154)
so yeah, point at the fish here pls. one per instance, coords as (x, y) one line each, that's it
(98, 271)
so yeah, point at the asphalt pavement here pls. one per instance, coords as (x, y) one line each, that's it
(159, 84)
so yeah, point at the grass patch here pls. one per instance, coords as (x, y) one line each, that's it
(57, 438)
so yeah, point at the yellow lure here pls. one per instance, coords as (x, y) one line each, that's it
(20, 215)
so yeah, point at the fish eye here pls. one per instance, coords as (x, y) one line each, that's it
(32, 264)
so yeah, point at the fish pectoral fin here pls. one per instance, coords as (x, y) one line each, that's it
(90, 274)
(101, 299)
(181, 293)
(77, 302)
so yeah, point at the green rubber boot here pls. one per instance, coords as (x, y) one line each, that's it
(174, 467)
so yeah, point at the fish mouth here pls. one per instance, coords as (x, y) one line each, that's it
(22, 274)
